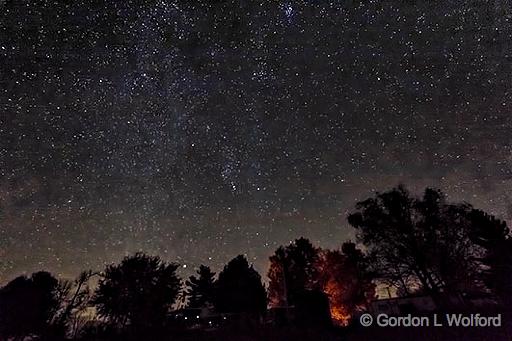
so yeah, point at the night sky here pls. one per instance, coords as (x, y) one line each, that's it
(198, 130)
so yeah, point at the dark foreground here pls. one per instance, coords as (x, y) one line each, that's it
(326, 334)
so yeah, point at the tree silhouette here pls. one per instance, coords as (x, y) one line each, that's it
(239, 289)
(139, 291)
(493, 235)
(75, 298)
(293, 269)
(200, 290)
(498, 277)
(28, 306)
(420, 244)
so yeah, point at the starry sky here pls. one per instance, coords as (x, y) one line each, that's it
(201, 129)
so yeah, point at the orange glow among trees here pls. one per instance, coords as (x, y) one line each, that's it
(340, 274)
(345, 280)
(339, 313)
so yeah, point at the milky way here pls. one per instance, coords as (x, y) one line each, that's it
(199, 130)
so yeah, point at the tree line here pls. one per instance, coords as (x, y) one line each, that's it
(415, 245)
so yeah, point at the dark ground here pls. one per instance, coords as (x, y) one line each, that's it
(265, 333)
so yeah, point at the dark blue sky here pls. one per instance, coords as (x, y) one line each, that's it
(198, 130)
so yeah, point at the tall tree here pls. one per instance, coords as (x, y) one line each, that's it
(418, 244)
(430, 245)
(200, 291)
(139, 291)
(28, 306)
(494, 236)
(239, 289)
(293, 269)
